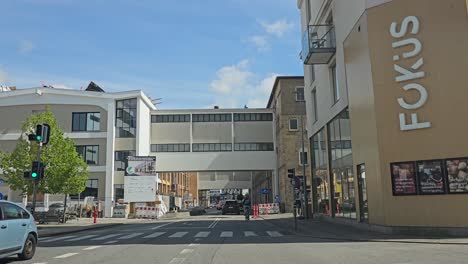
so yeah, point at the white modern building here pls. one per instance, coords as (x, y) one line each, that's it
(227, 148)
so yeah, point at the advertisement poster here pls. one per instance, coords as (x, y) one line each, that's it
(403, 178)
(457, 172)
(140, 181)
(141, 166)
(431, 177)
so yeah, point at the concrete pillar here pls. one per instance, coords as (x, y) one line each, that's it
(109, 190)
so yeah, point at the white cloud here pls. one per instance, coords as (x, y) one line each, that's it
(25, 46)
(231, 78)
(277, 28)
(237, 86)
(260, 42)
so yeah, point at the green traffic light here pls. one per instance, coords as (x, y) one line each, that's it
(34, 175)
(38, 137)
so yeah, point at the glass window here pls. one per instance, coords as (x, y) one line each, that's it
(293, 124)
(90, 154)
(299, 94)
(314, 105)
(126, 122)
(12, 212)
(121, 158)
(86, 121)
(335, 87)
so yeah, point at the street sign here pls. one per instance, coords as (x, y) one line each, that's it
(1, 196)
(265, 191)
(1, 182)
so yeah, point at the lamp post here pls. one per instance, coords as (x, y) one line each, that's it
(303, 161)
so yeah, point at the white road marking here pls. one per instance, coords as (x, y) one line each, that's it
(178, 234)
(91, 248)
(81, 238)
(274, 234)
(215, 222)
(177, 260)
(111, 242)
(156, 234)
(131, 236)
(186, 251)
(226, 234)
(159, 226)
(40, 263)
(193, 245)
(56, 239)
(249, 234)
(202, 234)
(66, 255)
(106, 237)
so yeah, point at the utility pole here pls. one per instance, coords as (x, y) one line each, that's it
(303, 159)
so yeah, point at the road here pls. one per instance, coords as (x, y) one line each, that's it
(227, 240)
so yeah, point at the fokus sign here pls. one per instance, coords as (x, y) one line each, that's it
(405, 36)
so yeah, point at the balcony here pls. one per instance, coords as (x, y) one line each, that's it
(318, 44)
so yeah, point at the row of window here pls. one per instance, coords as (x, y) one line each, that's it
(212, 147)
(253, 117)
(125, 118)
(170, 147)
(170, 118)
(86, 121)
(212, 118)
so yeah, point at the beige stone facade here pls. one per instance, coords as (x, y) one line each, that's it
(287, 106)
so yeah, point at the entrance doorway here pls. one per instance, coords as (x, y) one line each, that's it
(362, 185)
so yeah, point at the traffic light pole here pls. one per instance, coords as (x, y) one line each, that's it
(306, 199)
(38, 159)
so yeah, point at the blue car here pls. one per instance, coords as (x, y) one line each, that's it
(18, 231)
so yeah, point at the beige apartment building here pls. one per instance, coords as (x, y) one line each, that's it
(385, 86)
(287, 101)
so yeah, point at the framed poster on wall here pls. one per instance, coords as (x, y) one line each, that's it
(403, 178)
(431, 177)
(457, 175)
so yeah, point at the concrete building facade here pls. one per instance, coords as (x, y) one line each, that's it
(384, 85)
(287, 101)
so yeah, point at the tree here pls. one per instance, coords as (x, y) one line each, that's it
(65, 172)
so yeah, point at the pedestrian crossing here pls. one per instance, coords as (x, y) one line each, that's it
(170, 235)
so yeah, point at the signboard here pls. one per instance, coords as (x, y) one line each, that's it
(457, 172)
(430, 177)
(403, 178)
(1, 196)
(265, 191)
(140, 181)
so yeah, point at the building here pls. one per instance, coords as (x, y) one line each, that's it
(223, 148)
(287, 101)
(385, 82)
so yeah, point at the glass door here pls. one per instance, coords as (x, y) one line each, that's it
(363, 208)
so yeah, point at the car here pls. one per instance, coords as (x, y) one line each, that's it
(39, 207)
(18, 231)
(231, 207)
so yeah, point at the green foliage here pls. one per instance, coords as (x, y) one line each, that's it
(65, 172)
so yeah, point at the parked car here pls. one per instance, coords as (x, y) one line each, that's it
(18, 232)
(39, 207)
(231, 207)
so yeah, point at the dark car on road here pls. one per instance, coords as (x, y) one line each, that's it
(231, 207)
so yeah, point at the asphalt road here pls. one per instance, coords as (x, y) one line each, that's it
(227, 239)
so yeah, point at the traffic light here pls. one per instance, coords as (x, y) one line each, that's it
(35, 170)
(291, 173)
(42, 134)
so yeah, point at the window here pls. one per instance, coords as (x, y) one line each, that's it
(118, 191)
(91, 189)
(121, 158)
(253, 147)
(253, 117)
(335, 87)
(170, 118)
(86, 121)
(125, 118)
(293, 124)
(299, 94)
(314, 105)
(11, 212)
(211, 147)
(170, 147)
(303, 158)
(90, 154)
(212, 117)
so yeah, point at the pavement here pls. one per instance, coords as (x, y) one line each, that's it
(229, 239)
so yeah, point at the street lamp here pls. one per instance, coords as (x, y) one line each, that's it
(303, 161)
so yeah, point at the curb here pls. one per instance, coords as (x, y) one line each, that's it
(78, 230)
(290, 227)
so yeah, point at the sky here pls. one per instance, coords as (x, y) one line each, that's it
(189, 53)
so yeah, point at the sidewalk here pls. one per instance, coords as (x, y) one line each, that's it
(82, 224)
(341, 232)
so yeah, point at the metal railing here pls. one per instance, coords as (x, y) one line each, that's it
(318, 39)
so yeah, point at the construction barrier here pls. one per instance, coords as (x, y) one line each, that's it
(272, 208)
(255, 211)
(147, 212)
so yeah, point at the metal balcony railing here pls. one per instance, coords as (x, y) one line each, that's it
(318, 44)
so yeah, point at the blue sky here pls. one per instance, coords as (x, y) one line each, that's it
(190, 53)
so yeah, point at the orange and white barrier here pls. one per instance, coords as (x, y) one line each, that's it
(149, 212)
(272, 208)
